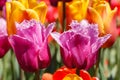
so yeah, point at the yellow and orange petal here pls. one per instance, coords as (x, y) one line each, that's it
(72, 77)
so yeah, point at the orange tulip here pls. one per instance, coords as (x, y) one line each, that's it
(65, 73)
(101, 13)
(19, 10)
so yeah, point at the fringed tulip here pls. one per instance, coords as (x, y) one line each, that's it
(30, 45)
(80, 45)
(4, 44)
(19, 10)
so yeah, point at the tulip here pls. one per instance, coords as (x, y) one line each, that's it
(101, 14)
(30, 45)
(4, 44)
(19, 10)
(65, 73)
(80, 45)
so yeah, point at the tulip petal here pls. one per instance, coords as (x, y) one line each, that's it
(44, 60)
(31, 30)
(26, 52)
(49, 29)
(99, 42)
(4, 45)
(16, 5)
(24, 2)
(65, 36)
(72, 77)
(56, 36)
(85, 75)
(41, 10)
(94, 17)
(78, 47)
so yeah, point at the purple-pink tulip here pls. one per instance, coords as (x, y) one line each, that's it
(80, 45)
(31, 46)
(4, 44)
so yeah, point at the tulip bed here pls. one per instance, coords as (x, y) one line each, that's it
(59, 39)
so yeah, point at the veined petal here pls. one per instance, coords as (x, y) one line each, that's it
(44, 56)
(65, 37)
(56, 36)
(78, 47)
(78, 9)
(99, 42)
(26, 53)
(24, 2)
(49, 29)
(41, 10)
(94, 17)
(16, 5)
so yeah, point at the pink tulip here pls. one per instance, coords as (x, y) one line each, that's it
(4, 44)
(30, 45)
(80, 44)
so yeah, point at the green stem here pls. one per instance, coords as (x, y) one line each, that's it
(12, 65)
(4, 70)
(64, 16)
(98, 62)
(21, 74)
(37, 77)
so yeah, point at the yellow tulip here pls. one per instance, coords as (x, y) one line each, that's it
(19, 10)
(72, 77)
(75, 10)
